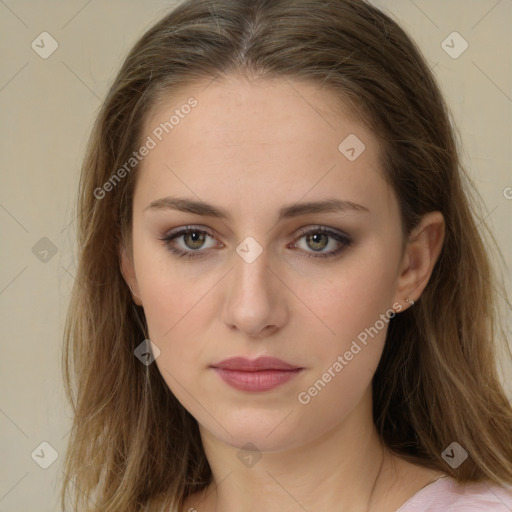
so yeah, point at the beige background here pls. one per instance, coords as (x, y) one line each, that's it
(47, 108)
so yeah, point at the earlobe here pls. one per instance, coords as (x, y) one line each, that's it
(128, 272)
(421, 254)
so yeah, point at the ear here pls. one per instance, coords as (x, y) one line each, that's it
(128, 272)
(420, 256)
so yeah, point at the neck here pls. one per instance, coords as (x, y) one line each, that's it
(338, 471)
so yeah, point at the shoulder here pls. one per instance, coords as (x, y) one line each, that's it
(448, 495)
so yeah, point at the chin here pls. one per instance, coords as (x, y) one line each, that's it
(272, 430)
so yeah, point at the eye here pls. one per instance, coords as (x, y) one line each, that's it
(317, 239)
(193, 240)
(320, 238)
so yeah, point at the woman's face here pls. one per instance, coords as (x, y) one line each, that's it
(297, 257)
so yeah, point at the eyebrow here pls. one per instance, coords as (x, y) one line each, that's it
(293, 210)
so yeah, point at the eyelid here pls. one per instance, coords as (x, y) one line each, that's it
(322, 229)
(303, 231)
(184, 229)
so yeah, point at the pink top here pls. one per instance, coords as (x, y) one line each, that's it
(447, 495)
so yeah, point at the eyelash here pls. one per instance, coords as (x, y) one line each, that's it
(339, 237)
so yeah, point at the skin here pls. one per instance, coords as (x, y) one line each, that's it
(252, 147)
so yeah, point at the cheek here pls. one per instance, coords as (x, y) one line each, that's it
(168, 295)
(172, 314)
(356, 308)
(356, 298)
(178, 310)
(346, 361)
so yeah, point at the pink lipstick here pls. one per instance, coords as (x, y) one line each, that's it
(261, 374)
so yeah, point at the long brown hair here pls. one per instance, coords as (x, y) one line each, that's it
(132, 442)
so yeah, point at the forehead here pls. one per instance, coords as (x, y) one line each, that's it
(254, 140)
(235, 108)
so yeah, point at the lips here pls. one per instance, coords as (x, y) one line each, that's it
(261, 374)
(248, 365)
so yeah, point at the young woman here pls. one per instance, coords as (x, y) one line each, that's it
(283, 301)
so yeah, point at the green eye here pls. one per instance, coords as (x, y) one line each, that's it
(320, 237)
(193, 240)
(317, 240)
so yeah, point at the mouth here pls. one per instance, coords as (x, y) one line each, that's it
(262, 374)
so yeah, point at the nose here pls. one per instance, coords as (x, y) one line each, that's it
(255, 300)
